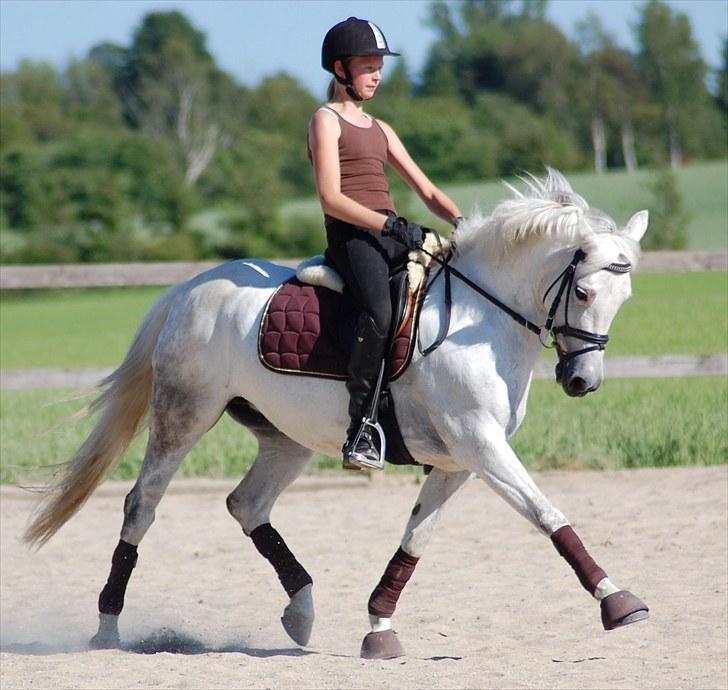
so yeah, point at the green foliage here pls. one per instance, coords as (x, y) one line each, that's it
(111, 158)
(722, 86)
(674, 73)
(78, 199)
(668, 217)
(524, 140)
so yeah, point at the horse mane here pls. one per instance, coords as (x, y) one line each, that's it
(547, 208)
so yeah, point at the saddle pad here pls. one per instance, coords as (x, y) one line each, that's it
(299, 333)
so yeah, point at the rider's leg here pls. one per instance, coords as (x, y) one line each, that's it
(364, 367)
(365, 266)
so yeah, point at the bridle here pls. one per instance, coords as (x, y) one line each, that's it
(565, 282)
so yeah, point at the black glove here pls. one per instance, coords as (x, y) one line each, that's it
(410, 235)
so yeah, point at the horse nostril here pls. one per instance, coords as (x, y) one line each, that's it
(577, 386)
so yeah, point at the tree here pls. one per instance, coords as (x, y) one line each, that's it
(615, 91)
(491, 46)
(168, 85)
(34, 95)
(668, 217)
(722, 90)
(90, 95)
(673, 70)
(281, 106)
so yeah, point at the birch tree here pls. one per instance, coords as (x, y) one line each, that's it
(673, 70)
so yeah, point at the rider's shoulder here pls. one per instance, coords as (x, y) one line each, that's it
(325, 117)
(387, 129)
(324, 122)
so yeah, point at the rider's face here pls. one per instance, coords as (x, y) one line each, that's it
(366, 74)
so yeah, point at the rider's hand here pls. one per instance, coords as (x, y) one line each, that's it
(409, 234)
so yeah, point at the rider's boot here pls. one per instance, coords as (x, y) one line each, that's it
(360, 450)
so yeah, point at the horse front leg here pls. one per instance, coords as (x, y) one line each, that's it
(499, 466)
(436, 492)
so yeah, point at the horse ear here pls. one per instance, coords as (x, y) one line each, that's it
(637, 225)
(556, 182)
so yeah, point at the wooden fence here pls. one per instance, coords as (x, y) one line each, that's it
(169, 273)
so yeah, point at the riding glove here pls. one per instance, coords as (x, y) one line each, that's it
(409, 234)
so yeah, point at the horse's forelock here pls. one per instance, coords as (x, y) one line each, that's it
(604, 248)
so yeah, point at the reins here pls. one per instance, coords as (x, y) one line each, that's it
(566, 277)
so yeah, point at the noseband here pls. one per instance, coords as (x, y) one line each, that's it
(565, 281)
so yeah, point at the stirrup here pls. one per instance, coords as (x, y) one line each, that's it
(359, 461)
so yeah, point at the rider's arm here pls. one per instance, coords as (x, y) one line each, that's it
(434, 198)
(323, 140)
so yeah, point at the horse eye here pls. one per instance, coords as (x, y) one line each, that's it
(581, 294)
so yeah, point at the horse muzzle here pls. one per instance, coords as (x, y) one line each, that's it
(577, 377)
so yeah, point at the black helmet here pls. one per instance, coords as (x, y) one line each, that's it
(350, 38)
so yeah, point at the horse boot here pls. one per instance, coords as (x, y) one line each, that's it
(359, 450)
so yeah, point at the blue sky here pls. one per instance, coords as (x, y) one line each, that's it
(254, 38)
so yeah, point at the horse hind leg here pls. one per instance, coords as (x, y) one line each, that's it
(179, 418)
(279, 461)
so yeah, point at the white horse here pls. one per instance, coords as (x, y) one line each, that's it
(542, 257)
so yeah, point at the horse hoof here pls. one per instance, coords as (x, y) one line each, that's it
(107, 636)
(298, 616)
(622, 608)
(381, 645)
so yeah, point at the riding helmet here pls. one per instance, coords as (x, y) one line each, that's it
(352, 37)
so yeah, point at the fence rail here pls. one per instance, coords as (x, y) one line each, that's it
(169, 273)
(615, 367)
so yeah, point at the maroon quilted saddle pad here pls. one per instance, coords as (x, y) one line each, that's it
(299, 333)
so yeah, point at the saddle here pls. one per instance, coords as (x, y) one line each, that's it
(307, 330)
(308, 326)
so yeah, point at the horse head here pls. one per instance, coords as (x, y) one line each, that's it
(592, 295)
(563, 265)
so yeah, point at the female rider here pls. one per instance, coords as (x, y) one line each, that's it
(366, 240)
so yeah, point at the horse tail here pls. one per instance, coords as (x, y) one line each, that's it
(124, 406)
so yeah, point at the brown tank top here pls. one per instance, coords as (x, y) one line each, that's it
(362, 157)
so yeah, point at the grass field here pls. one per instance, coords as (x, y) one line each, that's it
(702, 187)
(677, 313)
(627, 423)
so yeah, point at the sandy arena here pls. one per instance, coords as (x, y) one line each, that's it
(491, 604)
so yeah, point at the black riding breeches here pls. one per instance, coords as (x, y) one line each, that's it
(366, 260)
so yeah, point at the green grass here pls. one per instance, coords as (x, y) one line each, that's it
(673, 313)
(703, 187)
(628, 423)
(70, 328)
(676, 313)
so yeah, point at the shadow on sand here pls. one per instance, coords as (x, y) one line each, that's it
(164, 640)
